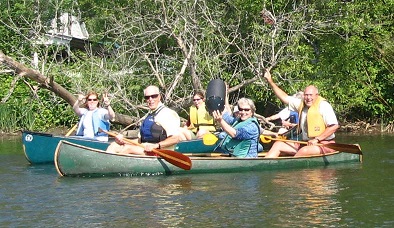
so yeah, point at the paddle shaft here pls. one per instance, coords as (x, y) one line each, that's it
(261, 154)
(349, 148)
(72, 129)
(173, 157)
(211, 139)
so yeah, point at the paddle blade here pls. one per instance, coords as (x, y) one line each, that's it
(265, 138)
(175, 158)
(348, 148)
(209, 139)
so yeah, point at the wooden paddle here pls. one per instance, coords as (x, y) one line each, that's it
(210, 139)
(72, 129)
(348, 148)
(173, 157)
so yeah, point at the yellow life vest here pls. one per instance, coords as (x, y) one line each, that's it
(200, 119)
(314, 119)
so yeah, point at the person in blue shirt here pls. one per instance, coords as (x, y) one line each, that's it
(242, 132)
(92, 116)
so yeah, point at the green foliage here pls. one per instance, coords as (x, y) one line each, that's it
(353, 65)
(41, 110)
(345, 48)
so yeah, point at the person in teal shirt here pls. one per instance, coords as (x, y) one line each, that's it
(242, 132)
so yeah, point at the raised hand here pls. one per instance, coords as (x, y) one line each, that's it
(267, 75)
(81, 97)
(217, 115)
(106, 101)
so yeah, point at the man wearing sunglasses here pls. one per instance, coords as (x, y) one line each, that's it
(317, 122)
(159, 130)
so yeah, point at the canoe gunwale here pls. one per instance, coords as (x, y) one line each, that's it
(77, 160)
(196, 157)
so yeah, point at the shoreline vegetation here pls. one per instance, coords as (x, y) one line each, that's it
(360, 127)
(344, 48)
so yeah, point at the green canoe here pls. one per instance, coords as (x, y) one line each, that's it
(76, 160)
(39, 148)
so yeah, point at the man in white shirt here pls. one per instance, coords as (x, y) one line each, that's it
(318, 122)
(159, 130)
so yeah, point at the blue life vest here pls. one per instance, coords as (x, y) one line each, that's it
(293, 133)
(97, 123)
(293, 117)
(150, 131)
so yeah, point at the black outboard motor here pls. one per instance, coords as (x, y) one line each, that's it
(215, 95)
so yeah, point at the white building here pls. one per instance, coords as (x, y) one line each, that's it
(65, 30)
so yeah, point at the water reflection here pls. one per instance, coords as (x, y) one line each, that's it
(308, 196)
(214, 200)
(356, 195)
(286, 198)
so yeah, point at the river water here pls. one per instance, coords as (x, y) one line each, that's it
(347, 195)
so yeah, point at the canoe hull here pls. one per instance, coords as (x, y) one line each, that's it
(195, 146)
(76, 160)
(39, 148)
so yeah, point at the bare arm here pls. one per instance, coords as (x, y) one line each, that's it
(76, 105)
(327, 132)
(227, 106)
(107, 105)
(169, 141)
(111, 113)
(273, 117)
(282, 95)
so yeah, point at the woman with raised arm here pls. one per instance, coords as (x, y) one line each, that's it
(242, 131)
(92, 116)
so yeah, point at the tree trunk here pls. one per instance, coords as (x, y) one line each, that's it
(50, 84)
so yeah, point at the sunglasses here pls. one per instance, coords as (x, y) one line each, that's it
(92, 99)
(244, 109)
(153, 96)
(196, 99)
